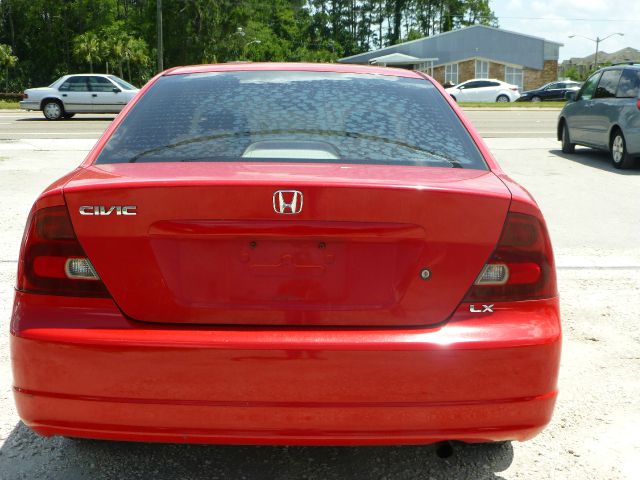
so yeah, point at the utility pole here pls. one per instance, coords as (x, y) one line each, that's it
(597, 41)
(159, 24)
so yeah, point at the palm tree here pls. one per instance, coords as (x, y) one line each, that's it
(86, 48)
(116, 46)
(137, 54)
(7, 60)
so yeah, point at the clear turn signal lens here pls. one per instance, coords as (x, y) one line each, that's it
(80, 269)
(493, 274)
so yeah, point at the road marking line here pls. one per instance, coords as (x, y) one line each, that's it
(50, 133)
(511, 132)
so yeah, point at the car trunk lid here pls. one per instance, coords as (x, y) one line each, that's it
(371, 246)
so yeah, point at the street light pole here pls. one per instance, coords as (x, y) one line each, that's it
(597, 41)
(159, 25)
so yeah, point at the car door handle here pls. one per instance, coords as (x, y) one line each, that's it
(64, 94)
(94, 94)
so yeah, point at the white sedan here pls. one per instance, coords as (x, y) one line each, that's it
(84, 93)
(484, 90)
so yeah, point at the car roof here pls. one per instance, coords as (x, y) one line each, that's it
(618, 66)
(484, 79)
(88, 75)
(72, 75)
(289, 67)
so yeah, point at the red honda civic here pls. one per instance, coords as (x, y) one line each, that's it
(287, 254)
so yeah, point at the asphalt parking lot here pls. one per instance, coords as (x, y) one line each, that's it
(592, 213)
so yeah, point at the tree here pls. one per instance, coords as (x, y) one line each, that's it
(573, 74)
(87, 48)
(136, 53)
(91, 32)
(7, 61)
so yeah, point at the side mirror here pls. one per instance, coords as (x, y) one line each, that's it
(116, 90)
(460, 87)
(570, 96)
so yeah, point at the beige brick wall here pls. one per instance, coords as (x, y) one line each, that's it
(531, 78)
(466, 70)
(536, 78)
(438, 74)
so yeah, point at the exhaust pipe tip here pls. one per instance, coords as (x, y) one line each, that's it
(444, 449)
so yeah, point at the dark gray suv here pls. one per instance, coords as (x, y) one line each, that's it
(605, 114)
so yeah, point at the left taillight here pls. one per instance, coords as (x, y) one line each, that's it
(52, 261)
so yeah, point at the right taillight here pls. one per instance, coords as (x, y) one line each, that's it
(52, 261)
(521, 267)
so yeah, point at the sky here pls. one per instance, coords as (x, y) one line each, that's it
(557, 19)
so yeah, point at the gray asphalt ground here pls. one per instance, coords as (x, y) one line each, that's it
(592, 213)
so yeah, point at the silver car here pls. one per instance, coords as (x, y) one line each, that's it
(84, 93)
(605, 114)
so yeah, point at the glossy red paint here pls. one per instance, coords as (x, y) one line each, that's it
(408, 362)
(477, 378)
(195, 254)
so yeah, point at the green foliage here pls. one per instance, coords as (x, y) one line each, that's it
(7, 61)
(577, 75)
(87, 48)
(52, 38)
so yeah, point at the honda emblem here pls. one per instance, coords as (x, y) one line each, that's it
(288, 202)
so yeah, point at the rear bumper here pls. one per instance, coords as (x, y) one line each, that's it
(82, 369)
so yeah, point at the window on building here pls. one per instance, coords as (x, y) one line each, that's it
(426, 67)
(513, 75)
(482, 69)
(451, 73)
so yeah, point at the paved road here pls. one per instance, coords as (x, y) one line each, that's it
(522, 123)
(17, 124)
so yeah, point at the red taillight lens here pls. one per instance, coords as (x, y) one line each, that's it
(521, 267)
(52, 261)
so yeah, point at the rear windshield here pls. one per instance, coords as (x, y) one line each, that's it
(124, 85)
(304, 117)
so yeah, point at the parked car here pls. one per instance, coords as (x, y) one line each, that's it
(266, 253)
(482, 90)
(605, 114)
(83, 93)
(550, 91)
